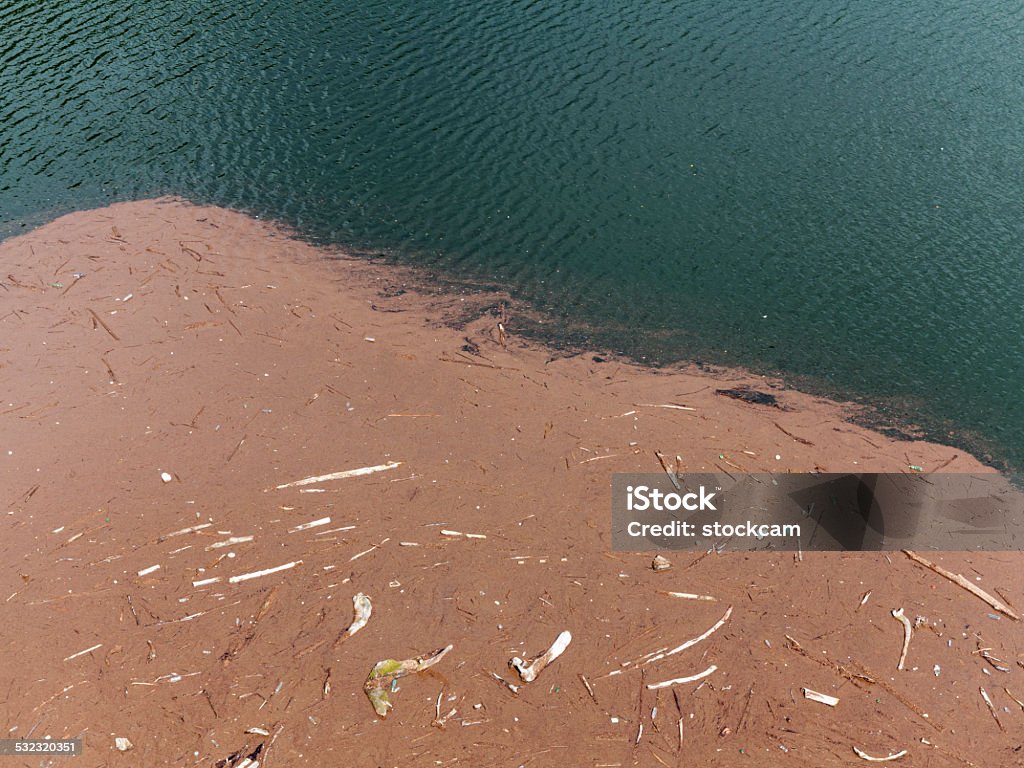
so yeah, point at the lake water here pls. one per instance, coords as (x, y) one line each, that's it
(830, 190)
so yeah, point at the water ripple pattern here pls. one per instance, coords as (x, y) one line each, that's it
(827, 189)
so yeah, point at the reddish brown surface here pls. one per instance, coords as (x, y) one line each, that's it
(242, 362)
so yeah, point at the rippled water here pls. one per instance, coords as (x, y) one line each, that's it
(828, 189)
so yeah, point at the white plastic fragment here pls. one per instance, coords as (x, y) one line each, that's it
(821, 698)
(147, 571)
(122, 744)
(257, 731)
(529, 672)
(342, 475)
(166, 477)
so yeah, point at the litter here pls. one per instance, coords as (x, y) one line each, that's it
(166, 477)
(679, 680)
(204, 582)
(341, 475)
(147, 571)
(384, 673)
(661, 563)
(887, 758)
(529, 672)
(258, 731)
(821, 698)
(122, 744)
(907, 632)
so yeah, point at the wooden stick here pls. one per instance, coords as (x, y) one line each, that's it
(341, 475)
(991, 707)
(790, 434)
(264, 572)
(679, 680)
(959, 580)
(104, 325)
(693, 641)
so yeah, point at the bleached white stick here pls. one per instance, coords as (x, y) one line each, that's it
(821, 698)
(313, 524)
(335, 530)
(342, 475)
(82, 653)
(866, 756)
(457, 534)
(671, 406)
(265, 572)
(680, 680)
(190, 529)
(147, 571)
(690, 643)
(691, 596)
(230, 542)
